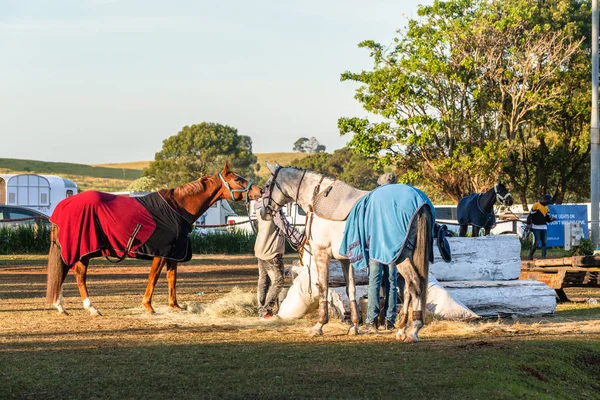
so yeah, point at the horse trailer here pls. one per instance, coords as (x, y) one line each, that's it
(37, 192)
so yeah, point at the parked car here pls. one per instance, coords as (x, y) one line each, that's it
(18, 216)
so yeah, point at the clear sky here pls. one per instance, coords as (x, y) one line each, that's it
(95, 81)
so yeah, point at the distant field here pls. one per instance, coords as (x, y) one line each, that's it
(281, 158)
(11, 165)
(114, 177)
(136, 165)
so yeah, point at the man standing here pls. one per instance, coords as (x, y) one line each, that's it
(268, 248)
(387, 273)
(537, 221)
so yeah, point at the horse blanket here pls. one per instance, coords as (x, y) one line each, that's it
(469, 212)
(336, 202)
(95, 221)
(378, 225)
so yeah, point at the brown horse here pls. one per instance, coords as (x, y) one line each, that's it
(183, 204)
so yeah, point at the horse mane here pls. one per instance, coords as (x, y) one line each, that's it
(310, 171)
(194, 187)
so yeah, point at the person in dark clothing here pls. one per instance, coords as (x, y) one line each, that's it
(537, 221)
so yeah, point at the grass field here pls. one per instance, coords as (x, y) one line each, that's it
(129, 354)
(114, 177)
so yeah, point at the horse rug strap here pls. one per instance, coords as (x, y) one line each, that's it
(336, 202)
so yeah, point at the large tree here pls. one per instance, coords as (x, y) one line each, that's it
(461, 94)
(199, 150)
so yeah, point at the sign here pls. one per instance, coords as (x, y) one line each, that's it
(565, 215)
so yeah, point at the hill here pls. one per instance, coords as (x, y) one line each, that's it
(114, 177)
(283, 158)
(86, 176)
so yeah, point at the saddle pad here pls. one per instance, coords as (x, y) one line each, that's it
(118, 216)
(469, 212)
(336, 202)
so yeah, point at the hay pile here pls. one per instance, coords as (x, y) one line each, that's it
(237, 303)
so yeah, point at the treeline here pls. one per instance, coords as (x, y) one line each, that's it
(476, 91)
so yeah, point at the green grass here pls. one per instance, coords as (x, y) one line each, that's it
(557, 369)
(11, 165)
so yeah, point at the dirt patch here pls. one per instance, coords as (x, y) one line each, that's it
(534, 372)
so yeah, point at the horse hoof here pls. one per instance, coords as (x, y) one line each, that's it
(400, 336)
(316, 332)
(95, 314)
(176, 307)
(63, 313)
(411, 339)
(149, 309)
(353, 330)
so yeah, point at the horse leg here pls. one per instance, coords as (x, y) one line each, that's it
(172, 278)
(463, 230)
(475, 231)
(487, 230)
(351, 286)
(80, 271)
(157, 265)
(415, 270)
(405, 269)
(321, 258)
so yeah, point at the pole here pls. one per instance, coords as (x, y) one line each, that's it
(594, 131)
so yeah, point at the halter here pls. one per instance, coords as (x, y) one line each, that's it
(501, 199)
(233, 191)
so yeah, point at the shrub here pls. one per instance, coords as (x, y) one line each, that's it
(25, 239)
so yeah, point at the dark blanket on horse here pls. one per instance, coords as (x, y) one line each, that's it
(468, 212)
(94, 221)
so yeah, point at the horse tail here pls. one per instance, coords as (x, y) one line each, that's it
(421, 253)
(57, 269)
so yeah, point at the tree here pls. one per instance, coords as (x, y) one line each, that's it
(352, 168)
(461, 93)
(305, 145)
(300, 145)
(199, 150)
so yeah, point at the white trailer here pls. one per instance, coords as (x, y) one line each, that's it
(38, 192)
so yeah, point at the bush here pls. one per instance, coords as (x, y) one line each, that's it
(585, 248)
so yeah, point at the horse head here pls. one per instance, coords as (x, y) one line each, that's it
(238, 187)
(274, 196)
(503, 196)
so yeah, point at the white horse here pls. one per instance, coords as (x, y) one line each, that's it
(287, 184)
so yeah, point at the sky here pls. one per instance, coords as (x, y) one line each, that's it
(99, 81)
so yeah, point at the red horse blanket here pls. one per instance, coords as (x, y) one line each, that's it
(95, 221)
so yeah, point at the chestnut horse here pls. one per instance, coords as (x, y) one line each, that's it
(191, 199)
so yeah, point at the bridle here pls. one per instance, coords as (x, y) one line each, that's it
(274, 184)
(500, 198)
(233, 191)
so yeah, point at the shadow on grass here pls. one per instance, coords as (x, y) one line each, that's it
(565, 369)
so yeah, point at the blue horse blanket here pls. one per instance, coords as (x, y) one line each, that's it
(383, 218)
(468, 212)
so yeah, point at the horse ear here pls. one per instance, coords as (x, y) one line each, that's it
(225, 168)
(270, 167)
